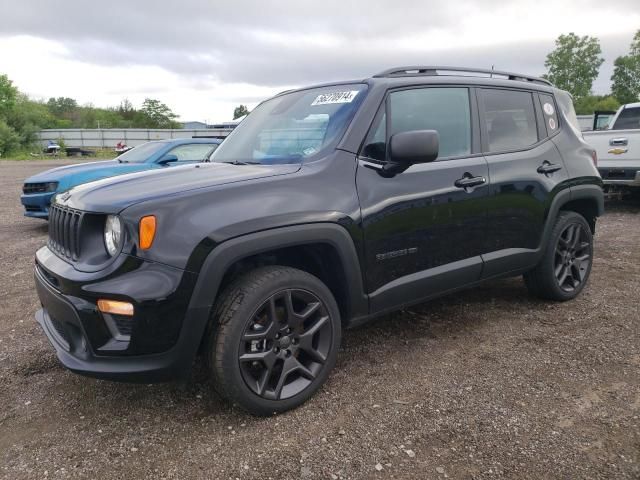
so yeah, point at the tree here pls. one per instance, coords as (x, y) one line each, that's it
(240, 111)
(588, 105)
(574, 64)
(126, 110)
(626, 74)
(9, 139)
(8, 95)
(63, 107)
(155, 114)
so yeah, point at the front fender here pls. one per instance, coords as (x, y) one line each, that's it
(227, 253)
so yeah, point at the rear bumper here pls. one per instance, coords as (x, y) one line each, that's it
(84, 345)
(620, 176)
(37, 204)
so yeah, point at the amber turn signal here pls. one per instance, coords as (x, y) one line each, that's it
(115, 307)
(147, 231)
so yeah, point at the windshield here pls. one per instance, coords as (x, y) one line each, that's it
(293, 127)
(141, 153)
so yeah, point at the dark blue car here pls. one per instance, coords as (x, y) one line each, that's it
(39, 189)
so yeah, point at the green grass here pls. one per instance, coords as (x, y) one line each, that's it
(105, 153)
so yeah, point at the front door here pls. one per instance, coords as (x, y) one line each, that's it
(424, 228)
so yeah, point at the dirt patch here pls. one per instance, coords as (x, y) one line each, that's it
(487, 383)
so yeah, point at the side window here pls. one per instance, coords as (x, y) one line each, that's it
(509, 118)
(445, 110)
(628, 118)
(549, 113)
(195, 152)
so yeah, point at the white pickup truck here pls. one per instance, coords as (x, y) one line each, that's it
(618, 147)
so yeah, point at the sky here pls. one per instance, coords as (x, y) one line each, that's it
(203, 58)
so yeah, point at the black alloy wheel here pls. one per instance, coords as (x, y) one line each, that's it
(285, 344)
(573, 257)
(273, 339)
(565, 265)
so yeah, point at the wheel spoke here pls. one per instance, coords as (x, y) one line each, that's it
(315, 328)
(272, 312)
(293, 319)
(559, 268)
(582, 246)
(576, 274)
(262, 382)
(577, 230)
(306, 340)
(291, 365)
(310, 310)
(563, 275)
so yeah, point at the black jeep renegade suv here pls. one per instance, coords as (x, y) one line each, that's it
(327, 206)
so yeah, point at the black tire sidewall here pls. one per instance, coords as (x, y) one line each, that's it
(227, 351)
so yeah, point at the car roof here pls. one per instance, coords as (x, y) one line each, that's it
(425, 75)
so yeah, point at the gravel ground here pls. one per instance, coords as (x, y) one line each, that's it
(488, 383)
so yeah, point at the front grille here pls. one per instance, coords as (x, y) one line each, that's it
(28, 188)
(64, 231)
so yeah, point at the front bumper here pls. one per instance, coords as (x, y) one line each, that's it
(164, 335)
(37, 204)
(620, 176)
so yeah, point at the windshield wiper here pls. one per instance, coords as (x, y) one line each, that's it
(236, 162)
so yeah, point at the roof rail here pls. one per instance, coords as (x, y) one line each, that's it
(413, 71)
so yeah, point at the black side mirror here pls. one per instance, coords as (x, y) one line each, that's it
(414, 146)
(168, 158)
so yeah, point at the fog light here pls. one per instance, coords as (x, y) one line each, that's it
(115, 307)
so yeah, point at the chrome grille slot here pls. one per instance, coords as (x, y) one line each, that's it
(64, 231)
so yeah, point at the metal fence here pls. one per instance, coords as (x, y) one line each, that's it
(585, 121)
(109, 137)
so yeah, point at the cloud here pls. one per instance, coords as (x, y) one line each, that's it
(269, 45)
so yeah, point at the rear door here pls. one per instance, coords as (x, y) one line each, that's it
(423, 228)
(524, 167)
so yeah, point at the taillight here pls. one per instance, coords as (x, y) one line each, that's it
(594, 157)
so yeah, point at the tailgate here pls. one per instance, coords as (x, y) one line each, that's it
(617, 147)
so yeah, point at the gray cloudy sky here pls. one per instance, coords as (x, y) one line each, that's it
(203, 58)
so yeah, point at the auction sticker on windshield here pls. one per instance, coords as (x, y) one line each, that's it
(335, 97)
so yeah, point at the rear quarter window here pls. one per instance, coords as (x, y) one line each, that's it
(549, 113)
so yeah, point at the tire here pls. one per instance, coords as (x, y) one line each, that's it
(566, 263)
(274, 339)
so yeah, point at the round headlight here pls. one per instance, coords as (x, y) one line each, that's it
(112, 234)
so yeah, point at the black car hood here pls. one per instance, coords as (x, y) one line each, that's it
(112, 195)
